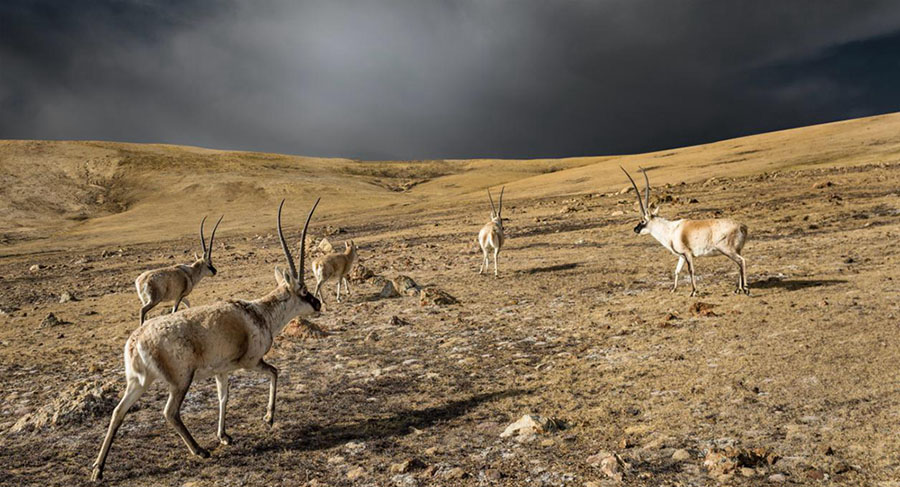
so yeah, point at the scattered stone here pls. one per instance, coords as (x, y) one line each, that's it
(617, 213)
(815, 474)
(456, 473)
(372, 337)
(777, 478)
(36, 267)
(405, 285)
(66, 297)
(356, 473)
(681, 455)
(435, 296)
(78, 404)
(823, 184)
(51, 320)
(361, 273)
(612, 465)
(700, 308)
(626, 443)
(398, 321)
(748, 472)
(432, 450)
(528, 426)
(492, 474)
(389, 290)
(730, 459)
(407, 466)
(324, 246)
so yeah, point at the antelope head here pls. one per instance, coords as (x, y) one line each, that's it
(289, 279)
(205, 263)
(496, 215)
(648, 214)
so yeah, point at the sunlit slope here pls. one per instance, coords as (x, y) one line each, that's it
(63, 194)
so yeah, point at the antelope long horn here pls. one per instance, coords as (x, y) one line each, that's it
(502, 188)
(637, 192)
(284, 245)
(646, 189)
(212, 237)
(202, 238)
(492, 203)
(303, 237)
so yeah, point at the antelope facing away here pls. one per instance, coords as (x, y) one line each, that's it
(693, 238)
(335, 265)
(211, 341)
(491, 234)
(175, 282)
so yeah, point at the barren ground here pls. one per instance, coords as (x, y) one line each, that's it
(580, 327)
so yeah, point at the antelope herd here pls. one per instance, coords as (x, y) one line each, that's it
(217, 339)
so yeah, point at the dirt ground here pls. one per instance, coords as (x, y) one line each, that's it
(797, 383)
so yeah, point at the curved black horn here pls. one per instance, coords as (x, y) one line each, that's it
(492, 204)
(646, 189)
(637, 192)
(284, 245)
(303, 237)
(212, 237)
(501, 201)
(202, 238)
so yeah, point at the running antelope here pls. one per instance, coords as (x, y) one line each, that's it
(211, 341)
(335, 265)
(693, 238)
(175, 282)
(491, 234)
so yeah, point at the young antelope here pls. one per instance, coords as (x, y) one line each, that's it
(175, 282)
(335, 265)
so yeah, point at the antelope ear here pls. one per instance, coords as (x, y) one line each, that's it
(282, 276)
(654, 210)
(196, 257)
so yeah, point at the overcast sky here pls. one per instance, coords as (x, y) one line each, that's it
(416, 79)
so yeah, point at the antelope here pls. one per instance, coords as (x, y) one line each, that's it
(491, 234)
(175, 282)
(211, 340)
(335, 265)
(693, 238)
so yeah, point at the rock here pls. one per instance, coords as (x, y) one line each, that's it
(361, 273)
(325, 246)
(405, 285)
(823, 184)
(51, 320)
(613, 466)
(528, 426)
(356, 473)
(681, 455)
(431, 451)
(718, 463)
(617, 213)
(372, 337)
(700, 308)
(389, 290)
(434, 296)
(456, 473)
(777, 478)
(492, 474)
(398, 321)
(300, 329)
(748, 472)
(626, 189)
(76, 405)
(37, 267)
(407, 466)
(66, 296)
(815, 474)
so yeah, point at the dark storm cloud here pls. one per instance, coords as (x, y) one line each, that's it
(453, 78)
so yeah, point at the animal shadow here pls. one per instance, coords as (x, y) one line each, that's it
(794, 284)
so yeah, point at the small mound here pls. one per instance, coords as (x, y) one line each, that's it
(300, 329)
(79, 404)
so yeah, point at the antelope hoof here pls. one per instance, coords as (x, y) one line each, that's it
(747, 291)
(225, 439)
(202, 453)
(693, 293)
(269, 419)
(96, 475)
